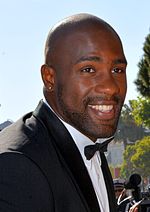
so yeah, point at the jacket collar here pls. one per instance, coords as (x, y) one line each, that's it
(67, 150)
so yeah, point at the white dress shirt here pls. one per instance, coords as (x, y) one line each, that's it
(93, 165)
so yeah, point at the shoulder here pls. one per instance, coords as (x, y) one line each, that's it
(21, 133)
(14, 135)
(22, 183)
(18, 166)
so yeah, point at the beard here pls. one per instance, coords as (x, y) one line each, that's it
(83, 122)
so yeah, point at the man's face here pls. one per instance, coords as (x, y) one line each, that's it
(118, 191)
(90, 82)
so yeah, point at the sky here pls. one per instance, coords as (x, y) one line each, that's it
(24, 25)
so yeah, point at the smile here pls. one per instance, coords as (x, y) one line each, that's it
(102, 108)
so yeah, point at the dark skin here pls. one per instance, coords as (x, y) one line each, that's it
(85, 77)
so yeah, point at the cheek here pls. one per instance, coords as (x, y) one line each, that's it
(122, 84)
(124, 89)
(75, 93)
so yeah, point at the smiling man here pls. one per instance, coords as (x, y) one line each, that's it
(47, 162)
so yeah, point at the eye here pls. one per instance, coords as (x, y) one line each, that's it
(117, 70)
(88, 70)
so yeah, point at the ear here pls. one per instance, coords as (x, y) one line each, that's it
(48, 76)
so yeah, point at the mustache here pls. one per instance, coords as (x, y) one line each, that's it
(103, 97)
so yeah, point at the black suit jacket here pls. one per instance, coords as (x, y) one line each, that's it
(41, 169)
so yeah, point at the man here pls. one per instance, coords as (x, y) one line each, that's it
(123, 200)
(118, 187)
(42, 165)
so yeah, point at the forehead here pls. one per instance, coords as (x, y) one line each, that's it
(70, 43)
(88, 32)
(92, 41)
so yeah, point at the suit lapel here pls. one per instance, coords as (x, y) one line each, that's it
(109, 183)
(67, 149)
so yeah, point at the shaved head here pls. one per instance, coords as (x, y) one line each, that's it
(84, 74)
(63, 29)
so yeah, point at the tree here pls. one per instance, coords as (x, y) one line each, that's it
(127, 167)
(143, 77)
(127, 128)
(136, 159)
(141, 158)
(141, 111)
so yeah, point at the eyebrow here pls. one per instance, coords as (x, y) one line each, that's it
(89, 58)
(99, 59)
(119, 61)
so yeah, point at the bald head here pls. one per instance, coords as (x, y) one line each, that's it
(68, 26)
(84, 75)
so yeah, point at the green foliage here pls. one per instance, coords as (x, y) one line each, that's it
(141, 111)
(141, 158)
(127, 167)
(143, 78)
(137, 159)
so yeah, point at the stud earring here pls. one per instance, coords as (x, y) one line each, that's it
(50, 88)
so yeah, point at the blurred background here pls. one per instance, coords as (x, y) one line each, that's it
(24, 25)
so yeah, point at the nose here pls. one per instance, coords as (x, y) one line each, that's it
(107, 84)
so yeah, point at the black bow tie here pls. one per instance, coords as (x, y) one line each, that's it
(90, 150)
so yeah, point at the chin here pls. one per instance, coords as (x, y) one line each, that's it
(106, 131)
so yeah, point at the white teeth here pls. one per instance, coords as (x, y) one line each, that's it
(102, 108)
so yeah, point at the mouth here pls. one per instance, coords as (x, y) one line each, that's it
(102, 108)
(102, 111)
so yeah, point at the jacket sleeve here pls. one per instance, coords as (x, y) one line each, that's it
(23, 186)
